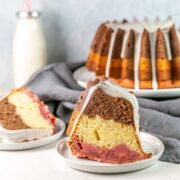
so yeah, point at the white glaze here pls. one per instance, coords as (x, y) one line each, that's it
(152, 37)
(90, 93)
(168, 48)
(125, 38)
(138, 27)
(136, 60)
(108, 64)
(7, 136)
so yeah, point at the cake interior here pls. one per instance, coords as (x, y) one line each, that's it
(105, 131)
(106, 140)
(19, 110)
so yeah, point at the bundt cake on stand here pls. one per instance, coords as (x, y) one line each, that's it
(138, 55)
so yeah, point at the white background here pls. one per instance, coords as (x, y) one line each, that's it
(69, 25)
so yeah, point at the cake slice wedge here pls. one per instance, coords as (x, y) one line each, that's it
(24, 117)
(105, 125)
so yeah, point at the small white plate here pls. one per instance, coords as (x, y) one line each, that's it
(149, 142)
(60, 127)
(82, 76)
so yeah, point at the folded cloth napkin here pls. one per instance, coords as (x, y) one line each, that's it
(55, 85)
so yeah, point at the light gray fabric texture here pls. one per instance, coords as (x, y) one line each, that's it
(55, 85)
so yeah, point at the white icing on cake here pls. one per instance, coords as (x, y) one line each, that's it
(136, 60)
(168, 48)
(9, 136)
(150, 26)
(152, 37)
(139, 27)
(108, 64)
(90, 93)
(125, 38)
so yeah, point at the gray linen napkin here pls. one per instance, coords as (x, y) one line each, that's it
(55, 85)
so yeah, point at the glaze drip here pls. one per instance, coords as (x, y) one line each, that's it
(138, 28)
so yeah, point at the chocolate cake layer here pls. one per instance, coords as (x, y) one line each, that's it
(124, 21)
(96, 38)
(9, 119)
(117, 48)
(175, 46)
(99, 40)
(161, 51)
(96, 81)
(106, 106)
(145, 45)
(129, 52)
(176, 68)
(104, 49)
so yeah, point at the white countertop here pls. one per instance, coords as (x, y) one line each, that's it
(44, 164)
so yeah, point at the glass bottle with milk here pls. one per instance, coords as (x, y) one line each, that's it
(29, 48)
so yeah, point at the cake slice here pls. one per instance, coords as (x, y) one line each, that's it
(105, 125)
(24, 117)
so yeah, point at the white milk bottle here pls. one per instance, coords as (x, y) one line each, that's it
(29, 48)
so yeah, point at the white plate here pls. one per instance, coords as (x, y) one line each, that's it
(82, 76)
(149, 142)
(60, 127)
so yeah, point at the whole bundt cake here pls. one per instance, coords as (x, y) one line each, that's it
(139, 55)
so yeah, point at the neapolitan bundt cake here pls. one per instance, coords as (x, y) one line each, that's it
(139, 55)
(23, 117)
(105, 125)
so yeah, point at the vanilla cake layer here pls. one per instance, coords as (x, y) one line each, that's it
(28, 110)
(106, 133)
(21, 109)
